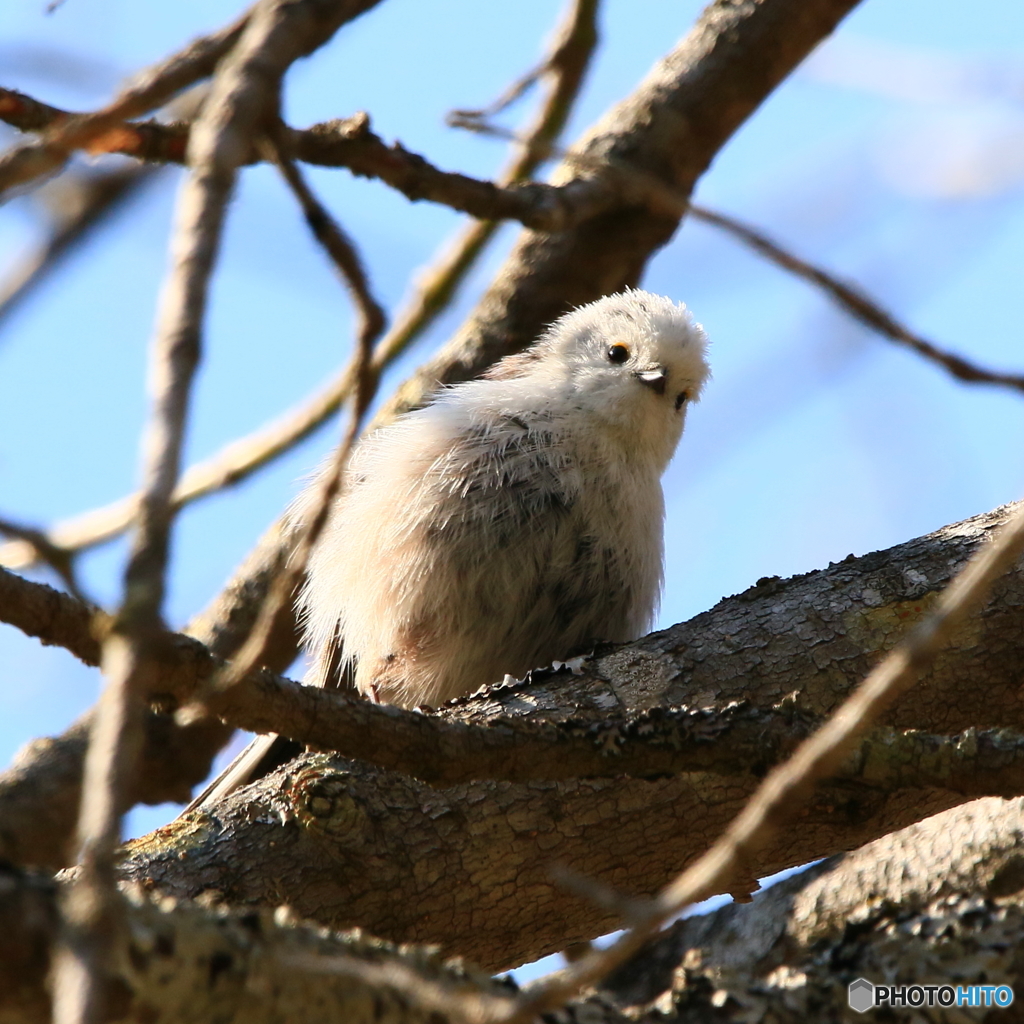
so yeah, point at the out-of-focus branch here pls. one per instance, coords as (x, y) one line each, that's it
(342, 252)
(148, 90)
(79, 206)
(244, 94)
(91, 907)
(786, 788)
(76, 204)
(855, 302)
(59, 559)
(562, 73)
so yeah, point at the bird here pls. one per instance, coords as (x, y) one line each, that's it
(514, 520)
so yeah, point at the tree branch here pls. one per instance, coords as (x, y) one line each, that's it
(77, 207)
(855, 302)
(148, 90)
(614, 717)
(939, 901)
(194, 962)
(244, 95)
(784, 792)
(803, 642)
(349, 142)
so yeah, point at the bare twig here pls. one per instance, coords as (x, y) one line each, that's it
(76, 203)
(565, 69)
(855, 302)
(350, 143)
(60, 560)
(565, 66)
(84, 203)
(372, 321)
(338, 246)
(786, 787)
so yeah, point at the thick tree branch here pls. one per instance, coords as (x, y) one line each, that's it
(784, 792)
(808, 639)
(939, 901)
(190, 962)
(812, 637)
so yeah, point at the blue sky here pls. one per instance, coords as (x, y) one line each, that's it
(895, 157)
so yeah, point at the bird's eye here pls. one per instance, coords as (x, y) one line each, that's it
(618, 353)
(680, 398)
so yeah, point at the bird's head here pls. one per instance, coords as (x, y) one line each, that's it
(632, 362)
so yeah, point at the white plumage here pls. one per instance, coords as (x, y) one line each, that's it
(517, 519)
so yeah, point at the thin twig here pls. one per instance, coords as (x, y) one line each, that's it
(60, 560)
(340, 249)
(467, 1001)
(350, 143)
(565, 69)
(855, 302)
(85, 202)
(786, 787)
(77, 203)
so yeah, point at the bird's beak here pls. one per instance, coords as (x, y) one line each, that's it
(653, 377)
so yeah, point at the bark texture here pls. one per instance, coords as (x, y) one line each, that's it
(941, 902)
(938, 903)
(468, 866)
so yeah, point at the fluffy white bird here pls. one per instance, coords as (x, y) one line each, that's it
(515, 520)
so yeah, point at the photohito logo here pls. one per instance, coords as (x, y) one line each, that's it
(863, 995)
